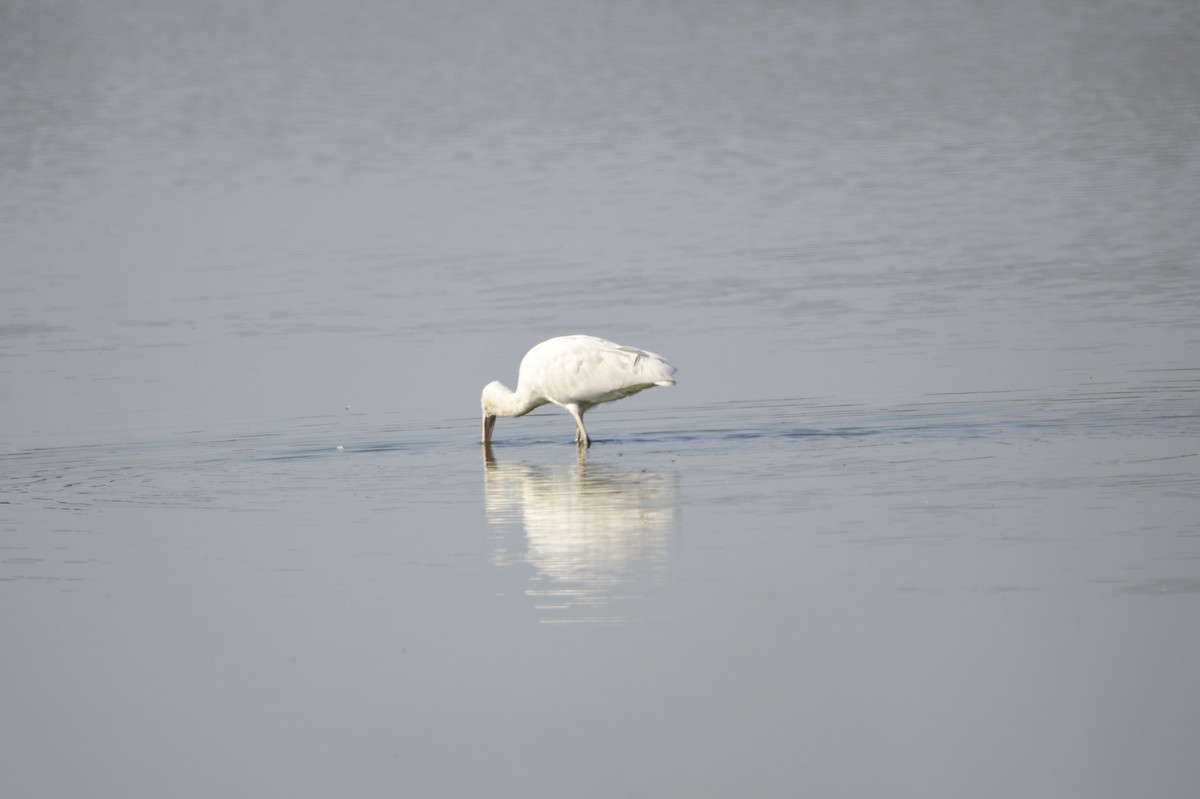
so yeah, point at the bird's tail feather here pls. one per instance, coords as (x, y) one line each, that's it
(659, 372)
(653, 367)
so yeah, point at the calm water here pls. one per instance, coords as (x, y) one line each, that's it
(920, 518)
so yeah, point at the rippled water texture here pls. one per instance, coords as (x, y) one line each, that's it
(919, 518)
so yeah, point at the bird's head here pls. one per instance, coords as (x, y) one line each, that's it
(491, 402)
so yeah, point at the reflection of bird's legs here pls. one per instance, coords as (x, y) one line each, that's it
(581, 436)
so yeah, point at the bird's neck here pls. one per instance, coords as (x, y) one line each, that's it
(517, 403)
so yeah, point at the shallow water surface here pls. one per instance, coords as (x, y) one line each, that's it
(873, 582)
(919, 518)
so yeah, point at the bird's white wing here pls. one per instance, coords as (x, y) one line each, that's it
(586, 370)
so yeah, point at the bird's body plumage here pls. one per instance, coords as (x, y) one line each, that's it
(577, 373)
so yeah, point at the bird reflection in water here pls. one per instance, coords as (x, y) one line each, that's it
(596, 537)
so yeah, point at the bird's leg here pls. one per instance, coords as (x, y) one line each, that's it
(581, 436)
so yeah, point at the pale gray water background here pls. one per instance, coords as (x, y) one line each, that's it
(920, 518)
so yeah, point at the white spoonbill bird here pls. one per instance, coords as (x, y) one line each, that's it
(575, 372)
